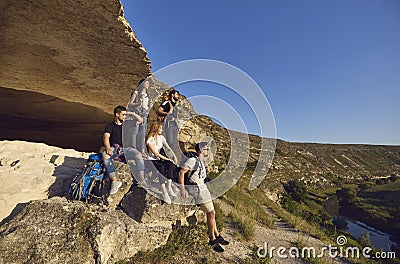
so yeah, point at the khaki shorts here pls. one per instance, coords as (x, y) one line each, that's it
(202, 197)
(207, 207)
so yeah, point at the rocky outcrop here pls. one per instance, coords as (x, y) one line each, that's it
(48, 231)
(57, 230)
(64, 65)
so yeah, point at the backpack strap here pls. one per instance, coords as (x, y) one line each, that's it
(195, 168)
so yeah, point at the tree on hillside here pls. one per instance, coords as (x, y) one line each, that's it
(347, 195)
(296, 189)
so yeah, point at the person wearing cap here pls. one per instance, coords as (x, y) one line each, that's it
(199, 191)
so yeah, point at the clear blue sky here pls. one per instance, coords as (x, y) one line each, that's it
(330, 69)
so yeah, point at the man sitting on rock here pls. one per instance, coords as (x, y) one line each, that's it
(198, 189)
(112, 139)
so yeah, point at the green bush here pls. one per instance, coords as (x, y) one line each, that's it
(340, 223)
(347, 195)
(365, 241)
(181, 239)
(296, 189)
(290, 205)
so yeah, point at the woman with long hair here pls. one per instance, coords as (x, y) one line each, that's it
(155, 142)
(140, 103)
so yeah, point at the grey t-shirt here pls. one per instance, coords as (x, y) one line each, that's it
(200, 174)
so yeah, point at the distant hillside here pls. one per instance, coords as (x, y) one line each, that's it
(316, 164)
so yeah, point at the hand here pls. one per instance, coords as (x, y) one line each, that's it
(139, 119)
(175, 160)
(184, 193)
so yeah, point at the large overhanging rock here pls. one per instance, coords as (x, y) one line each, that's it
(64, 66)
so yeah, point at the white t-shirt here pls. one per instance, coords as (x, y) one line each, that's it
(157, 144)
(200, 174)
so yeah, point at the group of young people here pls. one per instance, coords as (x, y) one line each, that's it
(149, 151)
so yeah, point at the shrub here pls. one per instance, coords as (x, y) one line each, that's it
(290, 205)
(347, 195)
(340, 222)
(296, 189)
(365, 241)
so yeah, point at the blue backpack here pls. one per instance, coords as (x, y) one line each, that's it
(89, 182)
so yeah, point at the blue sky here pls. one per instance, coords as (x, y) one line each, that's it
(330, 69)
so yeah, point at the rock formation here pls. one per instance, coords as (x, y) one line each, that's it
(64, 66)
(58, 230)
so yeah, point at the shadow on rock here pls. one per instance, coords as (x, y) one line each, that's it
(18, 208)
(64, 174)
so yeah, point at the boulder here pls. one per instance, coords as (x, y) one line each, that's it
(60, 231)
(117, 237)
(48, 231)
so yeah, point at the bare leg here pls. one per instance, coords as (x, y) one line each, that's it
(211, 224)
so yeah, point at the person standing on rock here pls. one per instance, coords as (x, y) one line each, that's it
(199, 191)
(112, 139)
(140, 103)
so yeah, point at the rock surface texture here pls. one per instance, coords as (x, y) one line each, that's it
(64, 66)
(58, 230)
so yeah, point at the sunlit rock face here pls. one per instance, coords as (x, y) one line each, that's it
(64, 66)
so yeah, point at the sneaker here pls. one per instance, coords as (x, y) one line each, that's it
(171, 192)
(221, 240)
(166, 198)
(216, 246)
(115, 186)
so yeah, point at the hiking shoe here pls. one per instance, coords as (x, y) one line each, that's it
(171, 192)
(216, 246)
(221, 240)
(166, 198)
(115, 186)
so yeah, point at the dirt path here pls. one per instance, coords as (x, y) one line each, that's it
(281, 236)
